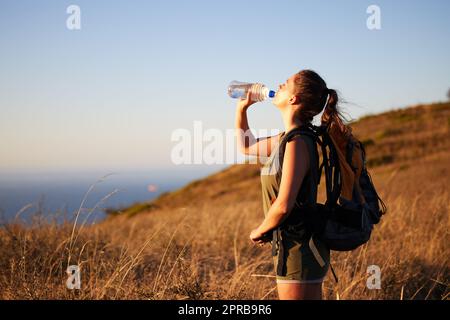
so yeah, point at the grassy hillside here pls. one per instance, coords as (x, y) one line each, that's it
(180, 246)
(393, 140)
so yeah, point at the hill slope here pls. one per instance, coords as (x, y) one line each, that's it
(393, 140)
(180, 246)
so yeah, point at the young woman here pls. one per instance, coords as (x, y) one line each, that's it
(300, 264)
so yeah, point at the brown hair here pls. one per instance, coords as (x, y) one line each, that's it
(312, 92)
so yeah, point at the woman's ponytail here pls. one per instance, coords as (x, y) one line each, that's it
(330, 112)
(332, 117)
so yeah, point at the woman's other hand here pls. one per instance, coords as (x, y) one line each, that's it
(258, 238)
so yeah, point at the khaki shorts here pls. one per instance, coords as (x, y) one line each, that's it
(301, 263)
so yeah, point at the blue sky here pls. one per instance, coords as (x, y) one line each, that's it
(108, 96)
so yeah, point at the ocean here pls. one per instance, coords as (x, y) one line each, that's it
(59, 195)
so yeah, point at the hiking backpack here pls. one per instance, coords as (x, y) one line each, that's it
(346, 220)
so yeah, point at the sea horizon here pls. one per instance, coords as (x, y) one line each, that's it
(61, 193)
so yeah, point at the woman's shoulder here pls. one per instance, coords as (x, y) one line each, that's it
(301, 143)
(298, 145)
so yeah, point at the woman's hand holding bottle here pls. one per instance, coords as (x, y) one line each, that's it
(244, 103)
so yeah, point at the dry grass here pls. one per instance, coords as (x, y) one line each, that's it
(183, 247)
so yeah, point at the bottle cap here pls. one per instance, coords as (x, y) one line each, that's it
(271, 94)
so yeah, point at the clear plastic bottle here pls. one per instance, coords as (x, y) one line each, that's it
(258, 91)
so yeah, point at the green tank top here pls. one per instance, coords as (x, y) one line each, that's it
(271, 175)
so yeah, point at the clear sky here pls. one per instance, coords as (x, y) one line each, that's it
(109, 95)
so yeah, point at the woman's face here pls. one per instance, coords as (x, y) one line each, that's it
(286, 93)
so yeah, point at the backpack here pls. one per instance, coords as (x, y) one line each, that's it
(352, 208)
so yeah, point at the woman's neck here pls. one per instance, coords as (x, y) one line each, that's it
(289, 120)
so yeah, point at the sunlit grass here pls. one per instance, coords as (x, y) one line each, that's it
(195, 245)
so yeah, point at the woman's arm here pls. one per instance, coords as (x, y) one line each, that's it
(246, 141)
(295, 167)
(244, 136)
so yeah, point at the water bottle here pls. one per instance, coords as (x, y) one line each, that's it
(258, 91)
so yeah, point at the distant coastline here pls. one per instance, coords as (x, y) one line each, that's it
(55, 192)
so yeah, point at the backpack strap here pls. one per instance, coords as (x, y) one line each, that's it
(306, 130)
(332, 170)
(315, 252)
